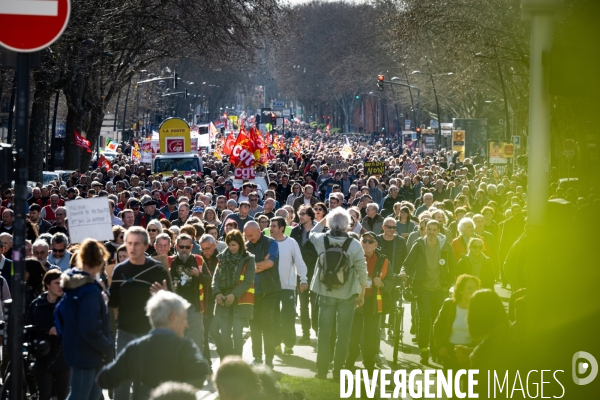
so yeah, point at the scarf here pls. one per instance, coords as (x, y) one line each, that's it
(228, 277)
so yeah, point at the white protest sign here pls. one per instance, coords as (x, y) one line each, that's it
(89, 219)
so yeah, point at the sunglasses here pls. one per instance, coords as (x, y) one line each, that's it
(367, 241)
(318, 209)
(184, 247)
(152, 230)
(390, 227)
(120, 237)
(302, 213)
(59, 250)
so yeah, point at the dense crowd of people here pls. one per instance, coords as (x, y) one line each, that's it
(194, 260)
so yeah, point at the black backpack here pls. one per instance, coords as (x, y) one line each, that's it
(335, 264)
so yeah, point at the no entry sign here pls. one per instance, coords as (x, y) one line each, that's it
(31, 25)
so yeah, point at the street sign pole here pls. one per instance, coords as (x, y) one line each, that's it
(17, 312)
(28, 26)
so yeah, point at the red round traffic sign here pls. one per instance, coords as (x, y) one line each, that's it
(31, 25)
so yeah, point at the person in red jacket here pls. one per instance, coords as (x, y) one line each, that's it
(48, 211)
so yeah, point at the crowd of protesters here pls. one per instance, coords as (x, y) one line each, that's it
(194, 261)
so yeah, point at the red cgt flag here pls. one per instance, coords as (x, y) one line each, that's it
(82, 142)
(103, 162)
(260, 147)
(229, 143)
(242, 153)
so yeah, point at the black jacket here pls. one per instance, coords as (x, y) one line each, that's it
(388, 205)
(442, 327)
(309, 253)
(161, 356)
(399, 254)
(41, 315)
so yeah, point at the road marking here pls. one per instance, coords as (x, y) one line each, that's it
(40, 8)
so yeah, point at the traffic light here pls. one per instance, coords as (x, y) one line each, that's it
(382, 128)
(257, 119)
(357, 96)
(380, 79)
(175, 77)
(418, 133)
(273, 119)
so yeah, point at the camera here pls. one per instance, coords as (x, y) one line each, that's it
(35, 341)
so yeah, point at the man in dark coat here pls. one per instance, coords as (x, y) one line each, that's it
(163, 355)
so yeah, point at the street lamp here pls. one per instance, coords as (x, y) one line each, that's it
(395, 78)
(507, 132)
(439, 116)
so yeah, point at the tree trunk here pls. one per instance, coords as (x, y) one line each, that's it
(38, 125)
(93, 134)
(74, 123)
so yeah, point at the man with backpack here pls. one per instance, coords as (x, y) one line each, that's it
(340, 280)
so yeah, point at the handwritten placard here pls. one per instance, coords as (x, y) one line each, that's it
(374, 168)
(89, 219)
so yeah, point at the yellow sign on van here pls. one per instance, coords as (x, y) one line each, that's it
(174, 136)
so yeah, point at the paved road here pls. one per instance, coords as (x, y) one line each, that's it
(303, 362)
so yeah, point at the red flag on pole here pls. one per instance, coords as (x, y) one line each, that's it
(242, 153)
(103, 162)
(295, 148)
(82, 142)
(229, 143)
(260, 147)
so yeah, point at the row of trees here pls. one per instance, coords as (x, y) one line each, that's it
(469, 46)
(107, 43)
(323, 55)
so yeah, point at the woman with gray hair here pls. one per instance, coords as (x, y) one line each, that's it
(154, 228)
(160, 356)
(466, 228)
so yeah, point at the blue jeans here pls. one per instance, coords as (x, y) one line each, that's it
(284, 319)
(429, 304)
(123, 392)
(83, 385)
(229, 326)
(343, 311)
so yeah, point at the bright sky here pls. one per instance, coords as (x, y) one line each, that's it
(294, 2)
